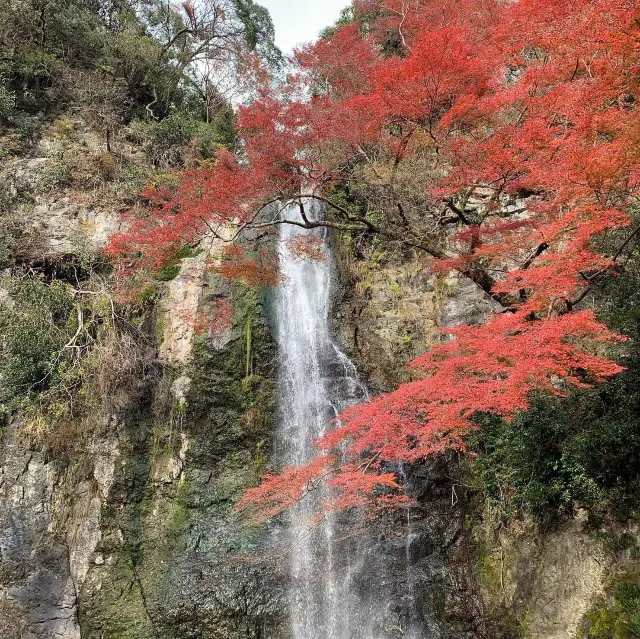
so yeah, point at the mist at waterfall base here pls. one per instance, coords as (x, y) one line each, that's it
(343, 582)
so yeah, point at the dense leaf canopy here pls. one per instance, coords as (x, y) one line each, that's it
(499, 138)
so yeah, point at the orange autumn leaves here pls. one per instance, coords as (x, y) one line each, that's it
(566, 131)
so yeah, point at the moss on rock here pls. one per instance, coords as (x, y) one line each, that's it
(615, 615)
(168, 536)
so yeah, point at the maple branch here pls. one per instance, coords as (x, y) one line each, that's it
(477, 275)
(537, 253)
(402, 214)
(573, 75)
(481, 278)
(173, 40)
(591, 279)
(211, 229)
(344, 211)
(366, 465)
(310, 224)
(450, 204)
(624, 245)
(576, 300)
(399, 153)
(302, 212)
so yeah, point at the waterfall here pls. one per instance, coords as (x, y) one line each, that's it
(348, 579)
(317, 381)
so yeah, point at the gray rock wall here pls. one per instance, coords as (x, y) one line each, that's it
(37, 592)
(135, 537)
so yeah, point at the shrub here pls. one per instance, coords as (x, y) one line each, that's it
(180, 138)
(164, 141)
(617, 616)
(10, 231)
(169, 272)
(107, 166)
(34, 328)
(7, 104)
(55, 174)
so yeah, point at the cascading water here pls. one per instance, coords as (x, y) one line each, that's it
(339, 582)
(317, 381)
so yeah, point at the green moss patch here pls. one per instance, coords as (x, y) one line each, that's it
(617, 614)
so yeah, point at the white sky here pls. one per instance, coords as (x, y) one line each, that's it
(299, 21)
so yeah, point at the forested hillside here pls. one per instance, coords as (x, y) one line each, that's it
(100, 101)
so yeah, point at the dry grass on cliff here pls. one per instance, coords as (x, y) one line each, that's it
(92, 390)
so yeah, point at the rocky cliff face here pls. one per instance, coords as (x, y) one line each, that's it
(130, 533)
(164, 564)
(134, 536)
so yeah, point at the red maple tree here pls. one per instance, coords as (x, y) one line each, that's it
(519, 120)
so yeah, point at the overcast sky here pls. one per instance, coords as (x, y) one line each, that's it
(299, 21)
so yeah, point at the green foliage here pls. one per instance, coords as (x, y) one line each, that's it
(54, 174)
(169, 272)
(221, 130)
(259, 31)
(172, 268)
(347, 16)
(163, 140)
(25, 125)
(521, 463)
(10, 231)
(7, 104)
(617, 616)
(7, 244)
(63, 353)
(147, 295)
(60, 46)
(124, 62)
(34, 329)
(170, 142)
(187, 251)
(367, 17)
(616, 542)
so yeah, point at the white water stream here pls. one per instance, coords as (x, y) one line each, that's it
(344, 582)
(317, 381)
